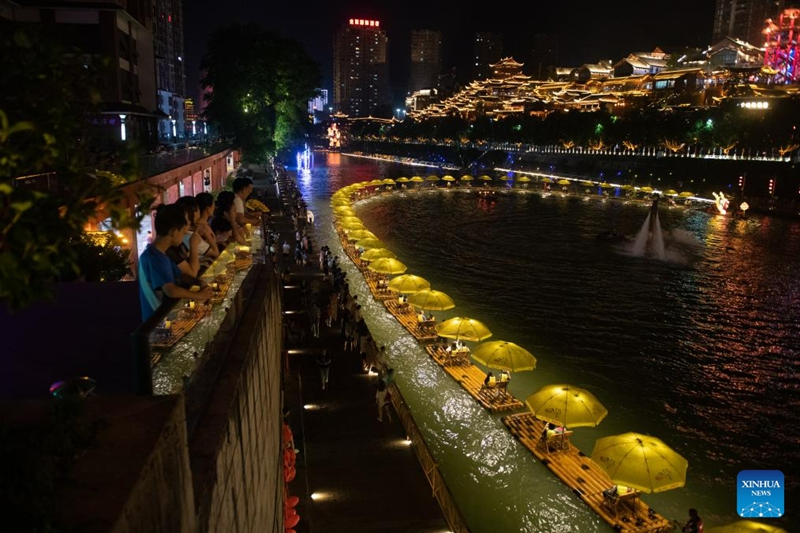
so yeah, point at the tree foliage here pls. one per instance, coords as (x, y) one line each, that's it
(49, 185)
(260, 86)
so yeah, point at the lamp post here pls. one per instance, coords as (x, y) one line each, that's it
(122, 129)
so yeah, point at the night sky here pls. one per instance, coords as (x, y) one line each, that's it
(586, 32)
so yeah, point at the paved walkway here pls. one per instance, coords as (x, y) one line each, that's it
(354, 473)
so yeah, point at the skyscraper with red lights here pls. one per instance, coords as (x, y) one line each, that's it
(361, 68)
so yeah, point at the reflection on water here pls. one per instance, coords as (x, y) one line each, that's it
(702, 352)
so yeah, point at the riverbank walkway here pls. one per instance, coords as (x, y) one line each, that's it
(353, 473)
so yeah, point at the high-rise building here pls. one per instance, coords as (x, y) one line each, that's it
(170, 76)
(361, 68)
(426, 59)
(120, 33)
(488, 50)
(744, 19)
(317, 105)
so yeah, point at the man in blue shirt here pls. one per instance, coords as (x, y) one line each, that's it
(158, 274)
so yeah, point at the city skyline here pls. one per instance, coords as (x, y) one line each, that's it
(586, 33)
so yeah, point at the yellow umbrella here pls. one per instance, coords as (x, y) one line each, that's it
(357, 235)
(505, 178)
(606, 185)
(432, 178)
(686, 194)
(388, 181)
(746, 526)
(417, 179)
(467, 178)
(504, 356)
(564, 182)
(587, 183)
(523, 179)
(347, 220)
(387, 265)
(448, 178)
(409, 284)
(402, 180)
(431, 300)
(377, 253)
(671, 192)
(640, 461)
(376, 182)
(344, 211)
(352, 226)
(547, 180)
(646, 189)
(369, 243)
(628, 187)
(340, 202)
(485, 178)
(467, 329)
(566, 406)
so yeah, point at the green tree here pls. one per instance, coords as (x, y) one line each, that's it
(260, 86)
(48, 97)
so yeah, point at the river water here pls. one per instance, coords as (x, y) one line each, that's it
(701, 350)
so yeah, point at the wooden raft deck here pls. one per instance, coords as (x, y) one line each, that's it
(471, 378)
(408, 318)
(184, 323)
(379, 294)
(586, 479)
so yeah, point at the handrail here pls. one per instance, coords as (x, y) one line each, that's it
(452, 514)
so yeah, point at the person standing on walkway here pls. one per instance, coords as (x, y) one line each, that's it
(383, 400)
(313, 318)
(324, 365)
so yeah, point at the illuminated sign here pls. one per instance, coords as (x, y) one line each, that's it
(365, 22)
(754, 105)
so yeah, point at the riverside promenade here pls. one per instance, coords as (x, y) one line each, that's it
(354, 473)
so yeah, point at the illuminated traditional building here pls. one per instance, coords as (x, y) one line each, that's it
(641, 63)
(782, 54)
(170, 75)
(744, 19)
(730, 52)
(488, 50)
(360, 68)
(426, 59)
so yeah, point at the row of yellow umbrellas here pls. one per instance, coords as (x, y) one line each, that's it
(639, 461)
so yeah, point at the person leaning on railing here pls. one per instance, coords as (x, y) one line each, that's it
(224, 220)
(205, 204)
(158, 274)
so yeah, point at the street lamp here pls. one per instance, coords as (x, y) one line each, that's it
(194, 128)
(122, 130)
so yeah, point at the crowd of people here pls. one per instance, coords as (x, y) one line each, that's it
(329, 303)
(189, 234)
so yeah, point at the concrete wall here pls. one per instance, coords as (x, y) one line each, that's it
(135, 476)
(235, 449)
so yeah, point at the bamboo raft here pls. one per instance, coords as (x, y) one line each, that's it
(164, 339)
(471, 378)
(408, 318)
(586, 479)
(379, 294)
